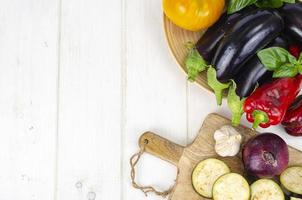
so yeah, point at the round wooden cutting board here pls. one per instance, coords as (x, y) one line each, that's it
(177, 38)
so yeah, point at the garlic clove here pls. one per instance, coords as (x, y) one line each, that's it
(228, 141)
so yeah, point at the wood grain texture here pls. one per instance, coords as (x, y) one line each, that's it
(155, 95)
(202, 148)
(160, 147)
(28, 102)
(89, 150)
(177, 38)
(117, 79)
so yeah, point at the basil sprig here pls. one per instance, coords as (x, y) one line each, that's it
(236, 5)
(281, 62)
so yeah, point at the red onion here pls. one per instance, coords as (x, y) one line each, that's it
(265, 155)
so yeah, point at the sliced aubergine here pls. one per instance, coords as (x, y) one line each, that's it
(294, 198)
(255, 30)
(291, 181)
(206, 173)
(207, 44)
(292, 14)
(254, 73)
(266, 189)
(231, 186)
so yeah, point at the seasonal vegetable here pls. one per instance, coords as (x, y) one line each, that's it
(202, 53)
(295, 50)
(292, 14)
(227, 141)
(265, 155)
(206, 173)
(255, 73)
(207, 44)
(236, 5)
(281, 62)
(193, 15)
(292, 121)
(231, 186)
(291, 181)
(250, 34)
(267, 105)
(265, 189)
(294, 198)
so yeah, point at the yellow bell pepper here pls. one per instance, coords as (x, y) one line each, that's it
(193, 15)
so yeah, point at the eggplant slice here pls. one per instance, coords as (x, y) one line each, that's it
(266, 189)
(291, 180)
(231, 186)
(206, 173)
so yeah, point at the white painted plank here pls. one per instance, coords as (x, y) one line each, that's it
(155, 95)
(201, 102)
(28, 109)
(90, 100)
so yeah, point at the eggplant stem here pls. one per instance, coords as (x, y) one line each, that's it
(217, 86)
(218, 95)
(236, 119)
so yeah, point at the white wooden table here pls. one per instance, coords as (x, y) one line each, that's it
(80, 80)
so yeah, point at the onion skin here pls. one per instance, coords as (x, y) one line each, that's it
(265, 155)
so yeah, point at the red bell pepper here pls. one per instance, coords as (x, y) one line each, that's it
(268, 104)
(292, 121)
(295, 50)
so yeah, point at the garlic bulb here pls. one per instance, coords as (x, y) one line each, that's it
(228, 141)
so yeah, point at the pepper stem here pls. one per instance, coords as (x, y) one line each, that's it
(259, 118)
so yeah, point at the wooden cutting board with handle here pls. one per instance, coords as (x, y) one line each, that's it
(186, 158)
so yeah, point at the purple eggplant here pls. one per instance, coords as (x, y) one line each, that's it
(255, 30)
(207, 44)
(292, 15)
(255, 73)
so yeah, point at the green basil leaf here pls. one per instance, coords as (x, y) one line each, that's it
(194, 63)
(300, 58)
(289, 1)
(274, 57)
(300, 68)
(235, 104)
(236, 5)
(287, 70)
(269, 3)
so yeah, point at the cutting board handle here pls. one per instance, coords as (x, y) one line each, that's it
(161, 147)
